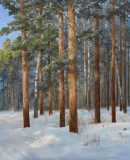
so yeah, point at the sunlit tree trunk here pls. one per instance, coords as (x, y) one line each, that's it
(97, 72)
(26, 120)
(61, 73)
(73, 126)
(41, 109)
(113, 68)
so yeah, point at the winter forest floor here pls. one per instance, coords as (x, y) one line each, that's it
(44, 140)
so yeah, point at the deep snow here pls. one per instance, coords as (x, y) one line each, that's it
(44, 140)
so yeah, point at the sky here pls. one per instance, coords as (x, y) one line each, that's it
(4, 19)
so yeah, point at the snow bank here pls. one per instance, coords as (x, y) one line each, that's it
(44, 140)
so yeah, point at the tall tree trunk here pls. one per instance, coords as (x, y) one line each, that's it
(102, 89)
(117, 92)
(49, 85)
(6, 99)
(36, 88)
(128, 77)
(26, 120)
(9, 90)
(104, 86)
(119, 84)
(108, 80)
(97, 72)
(89, 92)
(124, 104)
(85, 75)
(67, 91)
(41, 73)
(7, 95)
(3, 93)
(73, 126)
(113, 68)
(61, 73)
(17, 85)
(120, 60)
(55, 92)
(13, 94)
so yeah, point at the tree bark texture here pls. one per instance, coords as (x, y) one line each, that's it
(120, 60)
(97, 72)
(73, 125)
(36, 88)
(41, 94)
(61, 73)
(124, 104)
(26, 119)
(113, 68)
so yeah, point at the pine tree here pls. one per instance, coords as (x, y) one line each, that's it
(61, 73)
(97, 71)
(124, 104)
(113, 68)
(26, 120)
(73, 126)
(40, 70)
(120, 60)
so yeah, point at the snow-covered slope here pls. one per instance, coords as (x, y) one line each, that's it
(44, 140)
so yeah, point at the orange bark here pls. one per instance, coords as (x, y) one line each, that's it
(26, 120)
(41, 74)
(73, 126)
(120, 60)
(97, 72)
(124, 104)
(113, 68)
(61, 74)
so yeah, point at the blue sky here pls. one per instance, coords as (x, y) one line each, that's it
(4, 19)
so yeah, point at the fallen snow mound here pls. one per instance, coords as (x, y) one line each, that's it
(44, 140)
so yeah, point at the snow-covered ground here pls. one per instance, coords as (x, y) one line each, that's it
(44, 140)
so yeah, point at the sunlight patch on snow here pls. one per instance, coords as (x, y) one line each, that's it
(50, 139)
(44, 140)
(37, 133)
